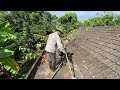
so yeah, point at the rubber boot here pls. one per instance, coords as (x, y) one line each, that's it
(53, 68)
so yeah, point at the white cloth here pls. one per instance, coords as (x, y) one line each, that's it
(54, 43)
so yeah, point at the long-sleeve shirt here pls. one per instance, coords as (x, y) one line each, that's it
(54, 43)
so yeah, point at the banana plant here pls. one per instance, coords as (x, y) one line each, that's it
(6, 52)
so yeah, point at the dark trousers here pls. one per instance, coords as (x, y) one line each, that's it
(52, 59)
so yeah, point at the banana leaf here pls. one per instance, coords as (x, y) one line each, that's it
(10, 64)
(5, 53)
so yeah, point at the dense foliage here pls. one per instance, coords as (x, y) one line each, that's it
(106, 19)
(25, 35)
(69, 22)
(7, 43)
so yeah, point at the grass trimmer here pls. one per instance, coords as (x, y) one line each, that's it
(73, 75)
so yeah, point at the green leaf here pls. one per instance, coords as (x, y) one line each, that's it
(10, 46)
(12, 60)
(3, 25)
(2, 40)
(38, 45)
(7, 24)
(5, 53)
(10, 64)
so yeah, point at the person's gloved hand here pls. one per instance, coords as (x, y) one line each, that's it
(61, 53)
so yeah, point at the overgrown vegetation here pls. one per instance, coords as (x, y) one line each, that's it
(7, 43)
(23, 35)
(105, 19)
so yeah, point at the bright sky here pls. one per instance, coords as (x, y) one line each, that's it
(82, 15)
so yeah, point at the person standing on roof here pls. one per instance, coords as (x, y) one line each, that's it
(54, 43)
